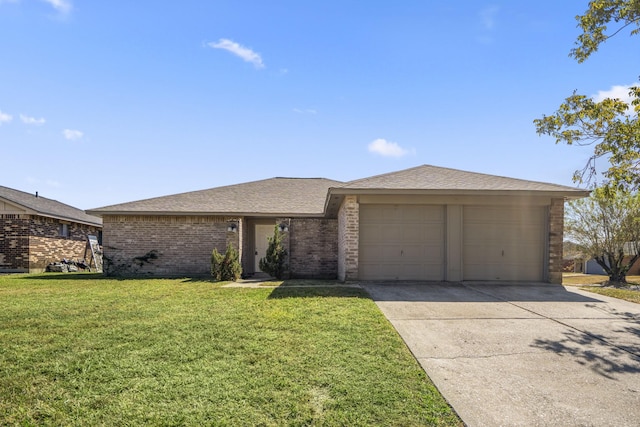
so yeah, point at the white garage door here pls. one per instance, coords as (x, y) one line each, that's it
(401, 242)
(503, 243)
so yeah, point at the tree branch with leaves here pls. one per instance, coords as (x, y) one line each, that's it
(611, 126)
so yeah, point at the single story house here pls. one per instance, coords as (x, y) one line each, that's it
(36, 231)
(425, 223)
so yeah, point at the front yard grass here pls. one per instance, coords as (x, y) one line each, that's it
(86, 350)
(588, 282)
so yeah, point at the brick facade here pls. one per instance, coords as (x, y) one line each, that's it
(556, 229)
(348, 238)
(313, 248)
(317, 247)
(31, 242)
(182, 244)
(14, 242)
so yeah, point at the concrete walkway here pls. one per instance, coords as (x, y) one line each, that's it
(522, 355)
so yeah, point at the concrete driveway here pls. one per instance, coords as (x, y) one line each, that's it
(522, 355)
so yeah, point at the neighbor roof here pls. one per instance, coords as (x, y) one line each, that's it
(269, 197)
(42, 206)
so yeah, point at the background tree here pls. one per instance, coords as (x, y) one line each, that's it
(606, 227)
(611, 125)
(274, 262)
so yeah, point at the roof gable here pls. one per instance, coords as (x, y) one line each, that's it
(32, 203)
(427, 177)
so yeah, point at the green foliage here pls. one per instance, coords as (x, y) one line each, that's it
(610, 126)
(594, 24)
(274, 262)
(226, 267)
(606, 227)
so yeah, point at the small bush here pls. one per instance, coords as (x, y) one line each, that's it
(226, 267)
(273, 263)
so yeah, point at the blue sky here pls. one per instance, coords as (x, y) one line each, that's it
(104, 102)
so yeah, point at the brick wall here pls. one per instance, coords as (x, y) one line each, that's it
(14, 242)
(348, 237)
(556, 230)
(30, 243)
(183, 244)
(313, 248)
(46, 245)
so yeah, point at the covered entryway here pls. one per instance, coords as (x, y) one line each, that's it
(504, 243)
(401, 242)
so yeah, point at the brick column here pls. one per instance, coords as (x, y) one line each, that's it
(556, 229)
(286, 243)
(348, 237)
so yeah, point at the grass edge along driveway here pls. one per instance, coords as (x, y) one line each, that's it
(86, 350)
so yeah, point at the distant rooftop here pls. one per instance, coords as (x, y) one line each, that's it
(47, 207)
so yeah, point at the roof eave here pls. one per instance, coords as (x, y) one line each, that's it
(200, 213)
(572, 194)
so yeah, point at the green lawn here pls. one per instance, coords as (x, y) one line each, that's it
(587, 280)
(591, 279)
(84, 350)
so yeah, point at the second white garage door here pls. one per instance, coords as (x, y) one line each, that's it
(401, 242)
(503, 243)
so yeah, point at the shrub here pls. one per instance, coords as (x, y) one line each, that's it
(226, 267)
(273, 263)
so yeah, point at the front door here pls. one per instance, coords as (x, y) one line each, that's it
(263, 233)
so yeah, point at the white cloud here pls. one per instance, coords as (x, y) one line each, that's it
(305, 111)
(386, 148)
(245, 53)
(62, 6)
(488, 16)
(32, 120)
(621, 92)
(5, 118)
(72, 135)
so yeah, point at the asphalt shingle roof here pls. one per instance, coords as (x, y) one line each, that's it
(47, 207)
(291, 196)
(308, 196)
(427, 177)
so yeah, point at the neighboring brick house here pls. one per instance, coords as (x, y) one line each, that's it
(423, 223)
(35, 231)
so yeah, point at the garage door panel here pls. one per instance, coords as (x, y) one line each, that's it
(381, 253)
(502, 232)
(505, 272)
(422, 214)
(401, 242)
(375, 233)
(503, 243)
(422, 233)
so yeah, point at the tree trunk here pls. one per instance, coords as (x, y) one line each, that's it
(615, 268)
